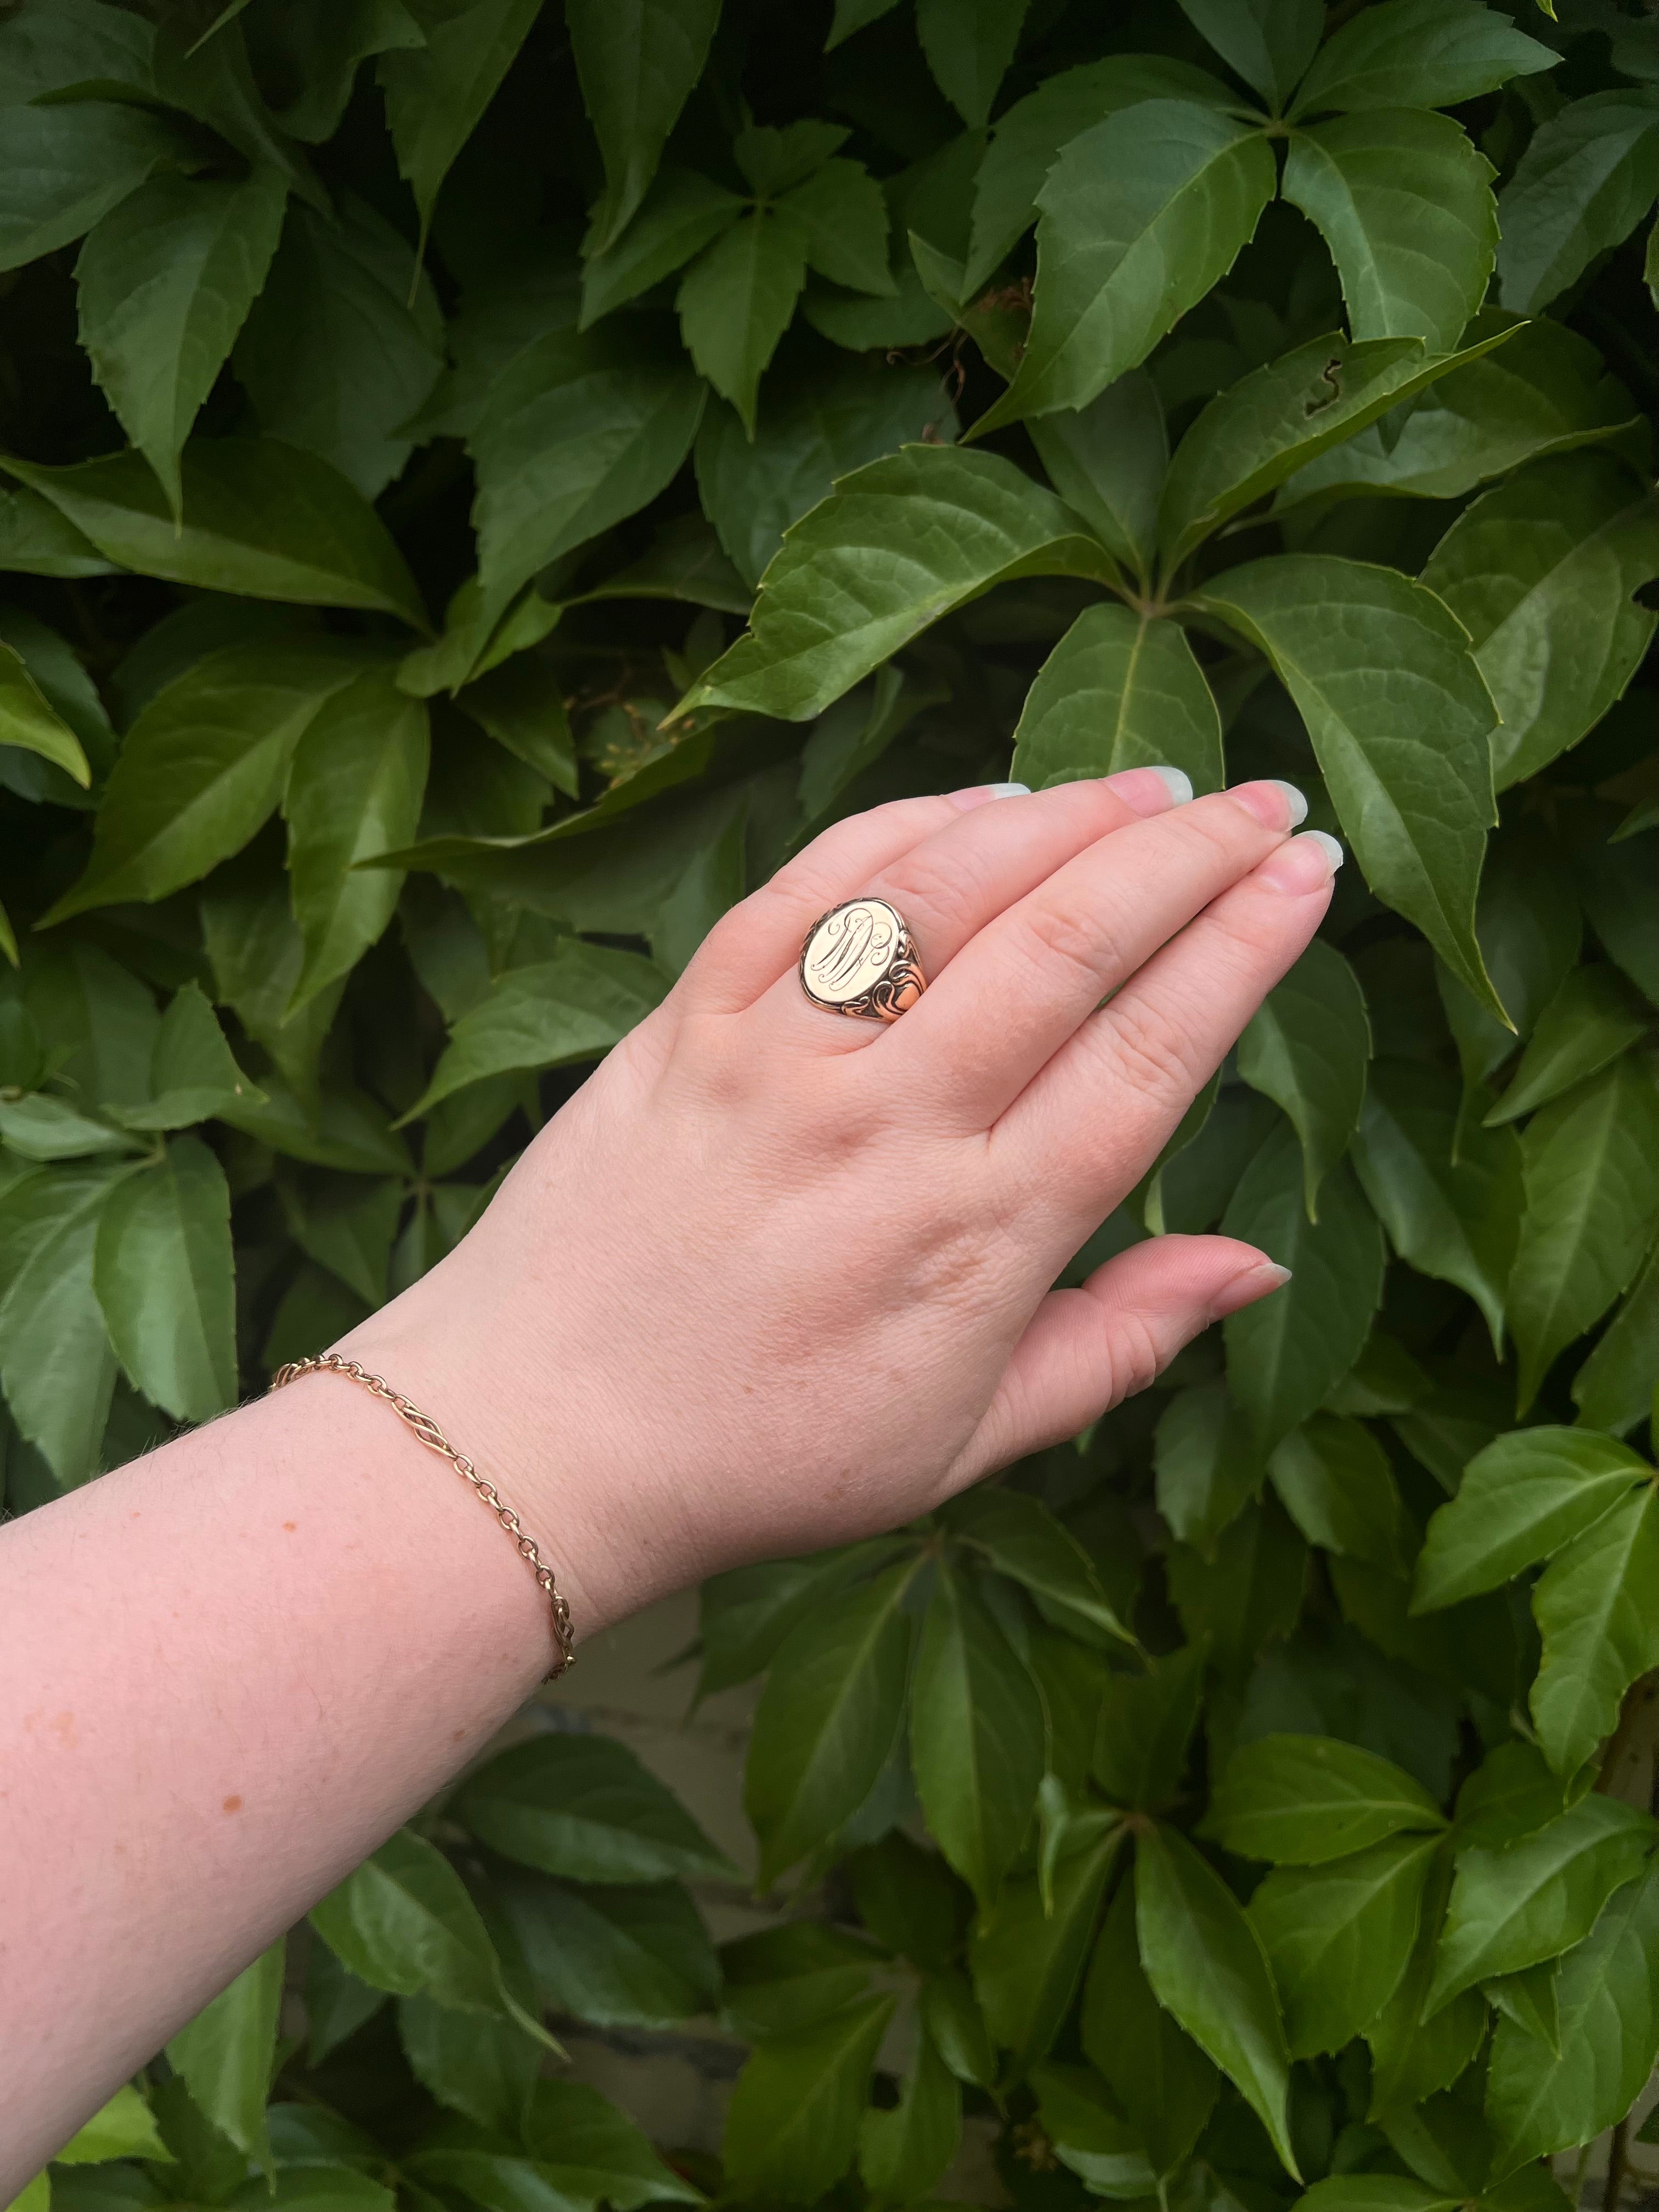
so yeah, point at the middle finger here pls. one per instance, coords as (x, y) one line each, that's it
(1014, 995)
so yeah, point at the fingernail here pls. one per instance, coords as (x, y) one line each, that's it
(1151, 790)
(1276, 805)
(981, 794)
(1306, 864)
(1254, 1283)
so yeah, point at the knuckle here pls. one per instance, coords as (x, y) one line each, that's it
(944, 901)
(1065, 946)
(1154, 1051)
(1136, 1359)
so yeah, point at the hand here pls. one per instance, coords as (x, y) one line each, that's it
(775, 1279)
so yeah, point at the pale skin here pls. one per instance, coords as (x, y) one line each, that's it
(773, 1279)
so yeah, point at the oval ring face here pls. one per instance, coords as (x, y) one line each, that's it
(850, 951)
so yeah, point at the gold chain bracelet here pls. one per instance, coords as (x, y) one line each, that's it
(329, 1363)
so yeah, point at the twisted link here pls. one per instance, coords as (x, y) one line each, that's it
(423, 1426)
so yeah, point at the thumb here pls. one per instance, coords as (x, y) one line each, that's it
(1086, 1351)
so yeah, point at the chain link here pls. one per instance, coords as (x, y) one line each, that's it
(331, 1363)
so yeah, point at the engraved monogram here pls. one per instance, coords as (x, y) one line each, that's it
(859, 960)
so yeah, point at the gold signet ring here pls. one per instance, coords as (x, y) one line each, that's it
(860, 959)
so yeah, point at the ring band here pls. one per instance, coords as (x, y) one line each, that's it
(860, 959)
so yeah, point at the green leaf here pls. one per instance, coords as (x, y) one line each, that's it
(1028, 1956)
(333, 356)
(968, 48)
(482, 2068)
(637, 64)
(67, 167)
(809, 433)
(1306, 1048)
(43, 1127)
(577, 434)
(791, 2129)
(1305, 1800)
(1266, 42)
(436, 93)
(572, 1008)
(227, 2054)
(1107, 460)
(194, 1073)
(56, 1363)
(164, 284)
(1400, 720)
(1339, 1937)
(681, 214)
(1206, 1966)
(629, 1955)
(1521, 1499)
(583, 1807)
(1377, 2192)
(903, 2154)
(1545, 390)
(1616, 885)
(744, 1614)
(404, 1922)
(1589, 175)
(786, 1977)
(1022, 1539)
(898, 544)
(583, 2154)
(1164, 2083)
(1120, 690)
(1284, 1354)
(736, 299)
(203, 767)
(1248, 1593)
(1540, 2100)
(1281, 418)
(1146, 1722)
(354, 791)
(124, 2128)
(1413, 2059)
(36, 540)
(1537, 1898)
(165, 1281)
(1597, 1608)
(260, 518)
(1418, 53)
(28, 720)
(322, 48)
(1531, 930)
(1080, 2117)
(1589, 1021)
(1403, 199)
(1027, 137)
(976, 1736)
(1529, 2000)
(1592, 1187)
(1206, 1465)
(1449, 1197)
(1334, 1481)
(827, 1718)
(1542, 572)
(521, 705)
(1614, 1390)
(1140, 215)
(843, 214)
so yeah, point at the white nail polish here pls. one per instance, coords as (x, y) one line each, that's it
(1331, 846)
(1294, 800)
(1176, 782)
(1013, 790)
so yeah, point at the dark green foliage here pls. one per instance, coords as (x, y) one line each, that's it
(399, 406)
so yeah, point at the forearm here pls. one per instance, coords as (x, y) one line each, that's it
(226, 1672)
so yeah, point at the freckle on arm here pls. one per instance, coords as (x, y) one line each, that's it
(231, 1805)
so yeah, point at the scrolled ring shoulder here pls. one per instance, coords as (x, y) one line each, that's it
(859, 958)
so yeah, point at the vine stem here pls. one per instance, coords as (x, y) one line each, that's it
(1616, 2163)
